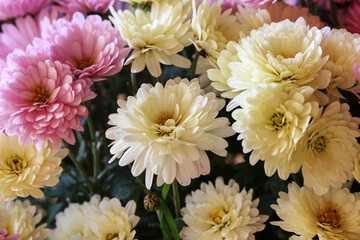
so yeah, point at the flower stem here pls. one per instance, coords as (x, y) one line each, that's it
(79, 167)
(95, 152)
(350, 183)
(334, 14)
(133, 83)
(296, 179)
(194, 64)
(176, 198)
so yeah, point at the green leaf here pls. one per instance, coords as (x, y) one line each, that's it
(165, 190)
(170, 220)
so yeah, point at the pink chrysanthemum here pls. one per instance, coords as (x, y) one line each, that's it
(25, 30)
(357, 75)
(3, 233)
(39, 100)
(91, 47)
(352, 18)
(85, 6)
(17, 8)
(227, 4)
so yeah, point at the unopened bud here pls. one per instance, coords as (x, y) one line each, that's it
(152, 202)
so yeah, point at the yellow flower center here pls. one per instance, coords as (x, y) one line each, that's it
(82, 64)
(16, 164)
(111, 236)
(165, 124)
(40, 95)
(278, 120)
(164, 116)
(217, 215)
(331, 216)
(320, 144)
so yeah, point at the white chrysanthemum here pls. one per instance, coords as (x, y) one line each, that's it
(221, 212)
(280, 11)
(286, 52)
(333, 216)
(220, 75)
(166, 130)
(270, 124)
(22, 220)
(356, 171)
(251, 18)
(99, 219)
(156, 35)
(24, 169)
(213, 29)
(343, 49)
(328, 148)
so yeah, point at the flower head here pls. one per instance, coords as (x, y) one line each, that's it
(23, 221)
(329, 148)
(102, 54)
(18, 8)
(335, 215)
(98, 219)
(352, 17)
(24, 169)
(157, 36)
(213, 29)
(343, 49)
(285, 52)
(221, 212)
(167, 129)
(39, 99)
(85, 6)
(270, 122)
(4, 235)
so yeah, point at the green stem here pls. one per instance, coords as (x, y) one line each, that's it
(133, 83)
(95, 152)
(140, 181)
(79, 167)
(78, 183)
(194, 64)
(176, 198)
(157, 79)
(334, 14)
(350, 183)
(296, 179)
(164, 228)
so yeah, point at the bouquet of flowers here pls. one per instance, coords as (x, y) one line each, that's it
(179, 119)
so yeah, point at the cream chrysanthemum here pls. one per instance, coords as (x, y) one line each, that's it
(328, 148)
(156, 35)
(220, 75)
(166, 130)
(280, 11)
(333, 216)
(99, 219)
(251, 18)
(23, 221)
(286, 52)
(24, 169)
(213, 29)
(221, 212)
(343, 49)
(270, 124)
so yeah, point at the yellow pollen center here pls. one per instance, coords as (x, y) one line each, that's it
(16, 164)
(82, 64)
(217, 215)
(111, 236)
(164, 116)
(320, 144)
(330, 216)
(278, 120)
(40, 95)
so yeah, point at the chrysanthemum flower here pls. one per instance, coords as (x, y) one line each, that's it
(221, 212)
(335, 215)
(285, 52)
(270, 124)
(102, 54)
(166, 130)
(39, 99)
(343, 49)
(157, 36)
(99, 219)
(352, 17)
(85, 6)
(356, 69)
(213, 29)
(226, 4)
(356, 171)
(23, 221)
(251, 18)
(280, 11)
(24, 169)
(25, 30)
(4, 235)
(18, 8)
(328, 148)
